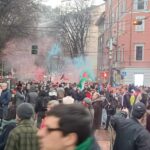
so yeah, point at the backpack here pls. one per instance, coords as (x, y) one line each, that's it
(4, 135)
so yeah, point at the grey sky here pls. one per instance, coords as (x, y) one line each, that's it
(55, 3)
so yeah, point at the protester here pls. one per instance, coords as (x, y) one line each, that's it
(87, 103)
(23, 137)
(148, 118)
(5, 99)
(50, 105)
(11, 115)
(97, 102)
(41, 106)
(32, 96)
(68, 127)
(7, 125)
(19, 97)
(130, 134)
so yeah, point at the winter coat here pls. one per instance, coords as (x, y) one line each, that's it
(19, 98)
(31, 98)
(130, 134)
(5, 97)
(97, 105)
(5, 132)
(126, 101)
(23, 137)
(148, 120)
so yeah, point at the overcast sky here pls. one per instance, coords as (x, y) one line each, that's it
(55, 3)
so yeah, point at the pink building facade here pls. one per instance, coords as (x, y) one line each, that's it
(126, 50)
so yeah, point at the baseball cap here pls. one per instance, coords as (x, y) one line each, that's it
(138, 110)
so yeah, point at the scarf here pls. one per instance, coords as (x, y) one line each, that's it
(86, 145)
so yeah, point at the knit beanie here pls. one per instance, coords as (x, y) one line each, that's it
(25, 111)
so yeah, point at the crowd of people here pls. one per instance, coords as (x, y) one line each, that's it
(61, 116)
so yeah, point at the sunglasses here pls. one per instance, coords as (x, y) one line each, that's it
(53, 129)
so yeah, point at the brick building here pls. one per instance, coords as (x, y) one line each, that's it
(125, 45)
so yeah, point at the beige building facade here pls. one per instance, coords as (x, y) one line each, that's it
(91, 50)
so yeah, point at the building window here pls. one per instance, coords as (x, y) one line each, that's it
(140, 27)
(140, 4)
(139, 48)
(124, 3)
(109, 2)
(121, 8)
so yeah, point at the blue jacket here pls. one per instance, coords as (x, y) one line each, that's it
(5, 97)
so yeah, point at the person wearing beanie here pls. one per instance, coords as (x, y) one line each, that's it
(130, 134)
(25, 111)
(23, 137)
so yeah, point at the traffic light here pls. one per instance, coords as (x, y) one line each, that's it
(110, 54)
(34, 49)
(105, 75)
(137, 22)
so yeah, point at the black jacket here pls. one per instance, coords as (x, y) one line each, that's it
(4, 135)
(130, 134)
(126, 101)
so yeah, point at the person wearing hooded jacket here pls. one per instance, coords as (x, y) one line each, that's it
(130, 134)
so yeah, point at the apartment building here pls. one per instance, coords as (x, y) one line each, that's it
(126, 43)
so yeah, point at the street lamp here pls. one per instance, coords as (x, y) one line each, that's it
(137, 22)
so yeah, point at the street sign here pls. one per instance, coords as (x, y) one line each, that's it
(124, 73)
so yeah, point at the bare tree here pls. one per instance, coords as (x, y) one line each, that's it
(73, 25)
(17, 18)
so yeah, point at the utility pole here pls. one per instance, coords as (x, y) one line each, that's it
(130, 43)
(2, 68)
(117, 31)
(110, 43)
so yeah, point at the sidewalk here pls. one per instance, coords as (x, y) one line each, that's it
(103, 139)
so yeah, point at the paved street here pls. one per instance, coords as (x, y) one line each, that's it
(103, 139)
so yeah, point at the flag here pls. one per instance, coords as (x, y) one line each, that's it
(82, 82)
(62, 77)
